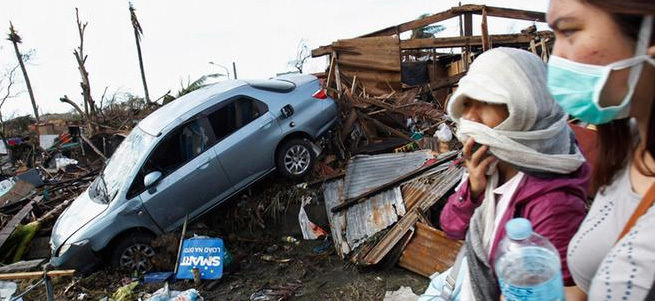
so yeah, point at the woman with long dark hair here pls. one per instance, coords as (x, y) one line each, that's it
(602, 72)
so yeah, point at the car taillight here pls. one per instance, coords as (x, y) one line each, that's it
(320, 94)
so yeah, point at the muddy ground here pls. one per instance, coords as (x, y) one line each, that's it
(252, 226)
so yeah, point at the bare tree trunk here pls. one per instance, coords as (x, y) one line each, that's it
(138, 31)
(89, 105)
(15, 39)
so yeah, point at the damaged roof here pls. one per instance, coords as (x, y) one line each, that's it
(367, 172)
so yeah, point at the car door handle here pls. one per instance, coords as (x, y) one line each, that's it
(204, 165)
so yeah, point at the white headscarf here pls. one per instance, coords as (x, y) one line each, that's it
(535, 135)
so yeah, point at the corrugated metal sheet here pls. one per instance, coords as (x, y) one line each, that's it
(353, 226)
(331, 195)
(373, 215)
(428, 189)
(429, 251)
(367, 172)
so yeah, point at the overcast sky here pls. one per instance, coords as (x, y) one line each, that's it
(181, 37)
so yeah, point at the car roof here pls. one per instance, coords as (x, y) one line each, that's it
(154, 123)
(158, 120)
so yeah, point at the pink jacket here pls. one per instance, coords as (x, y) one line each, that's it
(555, 206)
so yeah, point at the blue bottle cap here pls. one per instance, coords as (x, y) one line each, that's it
(518, 228)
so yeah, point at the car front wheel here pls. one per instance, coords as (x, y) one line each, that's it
(295, 158)
(134, 252)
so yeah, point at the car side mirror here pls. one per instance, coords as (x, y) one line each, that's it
(151, 179)
(286, 111)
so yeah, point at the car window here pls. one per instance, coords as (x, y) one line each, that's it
(179, 147)
(235, 114)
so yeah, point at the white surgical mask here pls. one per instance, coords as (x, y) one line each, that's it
(577, 87)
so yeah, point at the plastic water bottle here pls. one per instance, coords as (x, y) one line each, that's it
(528, 265)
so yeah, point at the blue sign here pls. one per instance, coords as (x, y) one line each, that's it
(204, 254)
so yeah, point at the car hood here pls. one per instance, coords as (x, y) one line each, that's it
(78, 214)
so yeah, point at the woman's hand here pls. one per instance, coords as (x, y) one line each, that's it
(477, 163)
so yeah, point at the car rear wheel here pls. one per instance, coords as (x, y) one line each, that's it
(134, 252)
(295, 158)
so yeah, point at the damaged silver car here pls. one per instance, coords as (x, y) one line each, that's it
(186, 158)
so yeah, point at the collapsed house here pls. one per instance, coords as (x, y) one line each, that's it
(393, 90)
(392, 94)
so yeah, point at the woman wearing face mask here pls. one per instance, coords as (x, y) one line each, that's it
(601, 72)
(528, 166)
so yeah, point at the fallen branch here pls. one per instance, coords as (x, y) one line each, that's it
(93, 147)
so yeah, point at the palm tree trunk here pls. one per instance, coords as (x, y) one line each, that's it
(27, 81)
(143, 73)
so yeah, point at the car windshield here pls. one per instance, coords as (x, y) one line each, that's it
(121, 165)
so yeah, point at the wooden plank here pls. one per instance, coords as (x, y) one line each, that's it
(500, 39)
(391, 30)
(36, 275)
(22, 265)
(11, 225)
(516, 14)
(501, 12)
(321, 51)
(16, 193)
(486, 42)
(445, 82)
(93, 147)
(375, 61)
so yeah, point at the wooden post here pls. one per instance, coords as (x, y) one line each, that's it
(336, 71)
(533, 47)
(179, 248)
(486, 43)
(330, 71)
(544, 50)
(468, 24)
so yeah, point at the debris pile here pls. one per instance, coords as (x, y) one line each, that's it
(392, 90)
(383, 204)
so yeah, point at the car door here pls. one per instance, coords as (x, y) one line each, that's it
(192, 176)
(247, 137)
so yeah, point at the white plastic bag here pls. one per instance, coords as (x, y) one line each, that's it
(444, 133)
(309, 229)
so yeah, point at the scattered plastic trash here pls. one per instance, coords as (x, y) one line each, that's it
(164, 294)
(125, 293)
(290, 239)
(81, 296)
(416, 136)
(6, 185)
(7, 289)
(62, 162)
(308, 228)
(444, 133)
(270, 258)
(324, 247)
(404, 293)
(278, 292)
(157, 277)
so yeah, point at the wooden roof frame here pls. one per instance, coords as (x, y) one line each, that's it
(453, 12)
